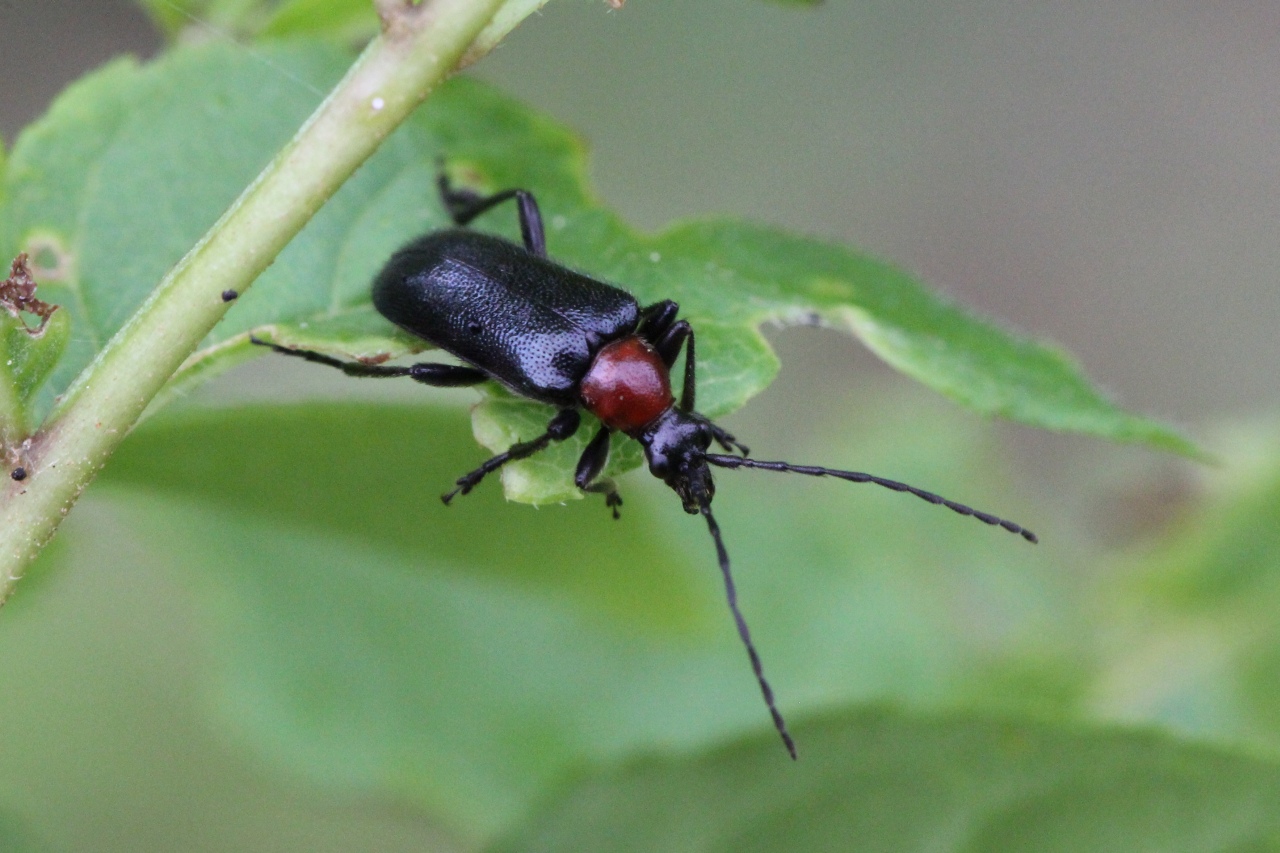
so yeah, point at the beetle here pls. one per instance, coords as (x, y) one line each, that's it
(559, 337)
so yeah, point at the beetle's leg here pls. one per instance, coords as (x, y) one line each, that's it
(660, 327)
(593, 459)
(351, 368)
(606, 487)
(563, 425)
(446, 375)
(656, 320)
(726, 440)
(668, 347)
(590, 464)
(439, 375)
(465, 205)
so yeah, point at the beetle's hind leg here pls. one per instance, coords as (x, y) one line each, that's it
(464, 205)
(590, 464)
(562, 426)
(438, 375)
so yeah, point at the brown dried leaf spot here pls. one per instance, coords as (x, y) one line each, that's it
(18, 294)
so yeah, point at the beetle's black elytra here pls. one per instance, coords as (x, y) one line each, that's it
(559, 337)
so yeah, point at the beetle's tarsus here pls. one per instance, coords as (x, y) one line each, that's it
(613, 501)
(562, 426)
(728, 442)
(464, 205)
(465, 485)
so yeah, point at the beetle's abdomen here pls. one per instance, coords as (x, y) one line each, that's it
(531, 324)
(627, 386)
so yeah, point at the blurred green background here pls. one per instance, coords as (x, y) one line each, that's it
(1101, 175)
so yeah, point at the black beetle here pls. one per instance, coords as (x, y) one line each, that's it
(559, 337)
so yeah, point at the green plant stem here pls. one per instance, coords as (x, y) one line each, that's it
(419, 47)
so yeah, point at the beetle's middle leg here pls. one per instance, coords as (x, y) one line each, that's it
(562, 426)
(465, 205)
(590, 464)
(428, 373)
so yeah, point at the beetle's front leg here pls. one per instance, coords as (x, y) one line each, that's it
(656, 319)
(680, 334)
(677, 334)
(590, 464)
(726, 440)
(562, 426)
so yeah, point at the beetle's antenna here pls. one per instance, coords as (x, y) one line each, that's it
(731, 592)
(858, 477)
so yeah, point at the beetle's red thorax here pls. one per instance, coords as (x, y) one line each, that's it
(627, 385)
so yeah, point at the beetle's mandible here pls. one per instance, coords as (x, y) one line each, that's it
(559, 337)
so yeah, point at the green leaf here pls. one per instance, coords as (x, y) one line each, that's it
(227, 18)
(341, 21)
(130, 167)
(377, 641)
(885, 781)
(467, 658)
(945, 347)
(28, 353)
(1193, 638)
(1229, 551)
(133, 164)
(346, 20)
(165, 16)
(15, 837)
(32, 353)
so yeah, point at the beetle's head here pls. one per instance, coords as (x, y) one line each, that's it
(675, 445)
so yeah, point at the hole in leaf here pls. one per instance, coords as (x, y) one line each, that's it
(49, 259)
